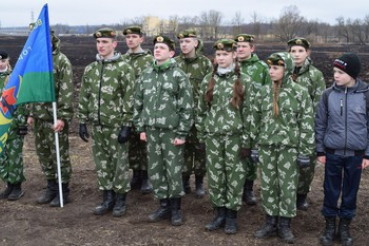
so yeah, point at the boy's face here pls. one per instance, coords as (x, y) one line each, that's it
(244, 50)
(106, 46)
(162, 52)
(3, 64)
(133, 41)
(224, 58)
(342, 79)
(188, 45)
(299, 54)
(276, 72)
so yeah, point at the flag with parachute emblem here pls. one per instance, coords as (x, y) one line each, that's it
(32, 78)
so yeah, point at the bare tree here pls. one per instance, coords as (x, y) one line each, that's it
(237, 21)
(343, 29)
(289, 23)
(366, 28)
(187, 22)
(173, 25)
(214, 20)
(255, 21)
(138, 21)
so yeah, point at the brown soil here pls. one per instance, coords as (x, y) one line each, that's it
(26, 223)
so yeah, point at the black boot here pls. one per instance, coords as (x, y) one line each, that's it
(218, 221)
(231, 222)
(5, 193)
(162, 213)
(284, 230)
(16, 193)
(50, 193)
(65, 192)
(177, 219)
(120, 205)
(301, 202)
(107, 204)
(344, 232)
(136, 180)
(146, 187)
(269, 228)
(248, 193)
(330, 231)
(199, 181)
(186, 183)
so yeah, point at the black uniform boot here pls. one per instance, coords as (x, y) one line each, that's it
(248, 193)
(162, 213)
(186, 184)
(16, 193)
(65, 192)
(136, 180)
(269, 228)
(301, 202)
(231, 222)
(146, 186)
(120, 205)
(344, 232)
(107, 204)
(199, 181)
(5, 193)
(49, 194)
(330, 231)
(218, 221)
(177, 219)
(284, 230)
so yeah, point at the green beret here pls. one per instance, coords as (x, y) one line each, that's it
(132, 30)
(165, 40)
(244, 38)
(3, 54)
(189, 33)
(105, 33)
(225, 44)
(275, 59)
(299, 41)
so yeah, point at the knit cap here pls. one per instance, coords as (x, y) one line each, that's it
(349, 63)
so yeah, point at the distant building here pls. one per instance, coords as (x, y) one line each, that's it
(153, 26)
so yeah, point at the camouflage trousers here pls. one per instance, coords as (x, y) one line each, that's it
(306, 177)
(195, 159)
(226, 172)
(11, 161)
(137, 152)
(46, 151)
(111, 159)
(279, 179)
(165, 163)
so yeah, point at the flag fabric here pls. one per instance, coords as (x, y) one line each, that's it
(32, 79)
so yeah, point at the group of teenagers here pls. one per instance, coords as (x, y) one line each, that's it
(168, 117)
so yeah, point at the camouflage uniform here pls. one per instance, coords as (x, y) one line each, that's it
(224, 129)
(11, 161)
(280, 139)
(43, 116)
(163, 109)
(106, 103)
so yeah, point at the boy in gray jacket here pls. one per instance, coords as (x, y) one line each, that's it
(342, 133)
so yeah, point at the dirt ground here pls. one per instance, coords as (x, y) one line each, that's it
(25, 223)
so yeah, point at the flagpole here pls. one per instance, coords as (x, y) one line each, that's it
(58, 158)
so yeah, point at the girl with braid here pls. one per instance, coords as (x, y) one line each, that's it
(223, 109)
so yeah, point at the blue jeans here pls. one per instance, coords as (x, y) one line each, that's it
(337, 166)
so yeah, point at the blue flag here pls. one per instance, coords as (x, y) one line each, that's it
(32, 79)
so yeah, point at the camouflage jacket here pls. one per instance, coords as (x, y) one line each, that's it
(106, 96)
(19, 116)
(163, 99)
(139, 61)
(63, 79)
(196, 69)
(220, 116)
(313, 79)
(257, 69)
(294, 127)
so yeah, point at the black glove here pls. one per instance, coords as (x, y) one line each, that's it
(244, 153)
(202, 147)
(83, 134)
(303, 161)
(255, 155)
(22, 130)
(124, 133)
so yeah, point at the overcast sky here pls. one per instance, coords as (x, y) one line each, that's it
(92, 12)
